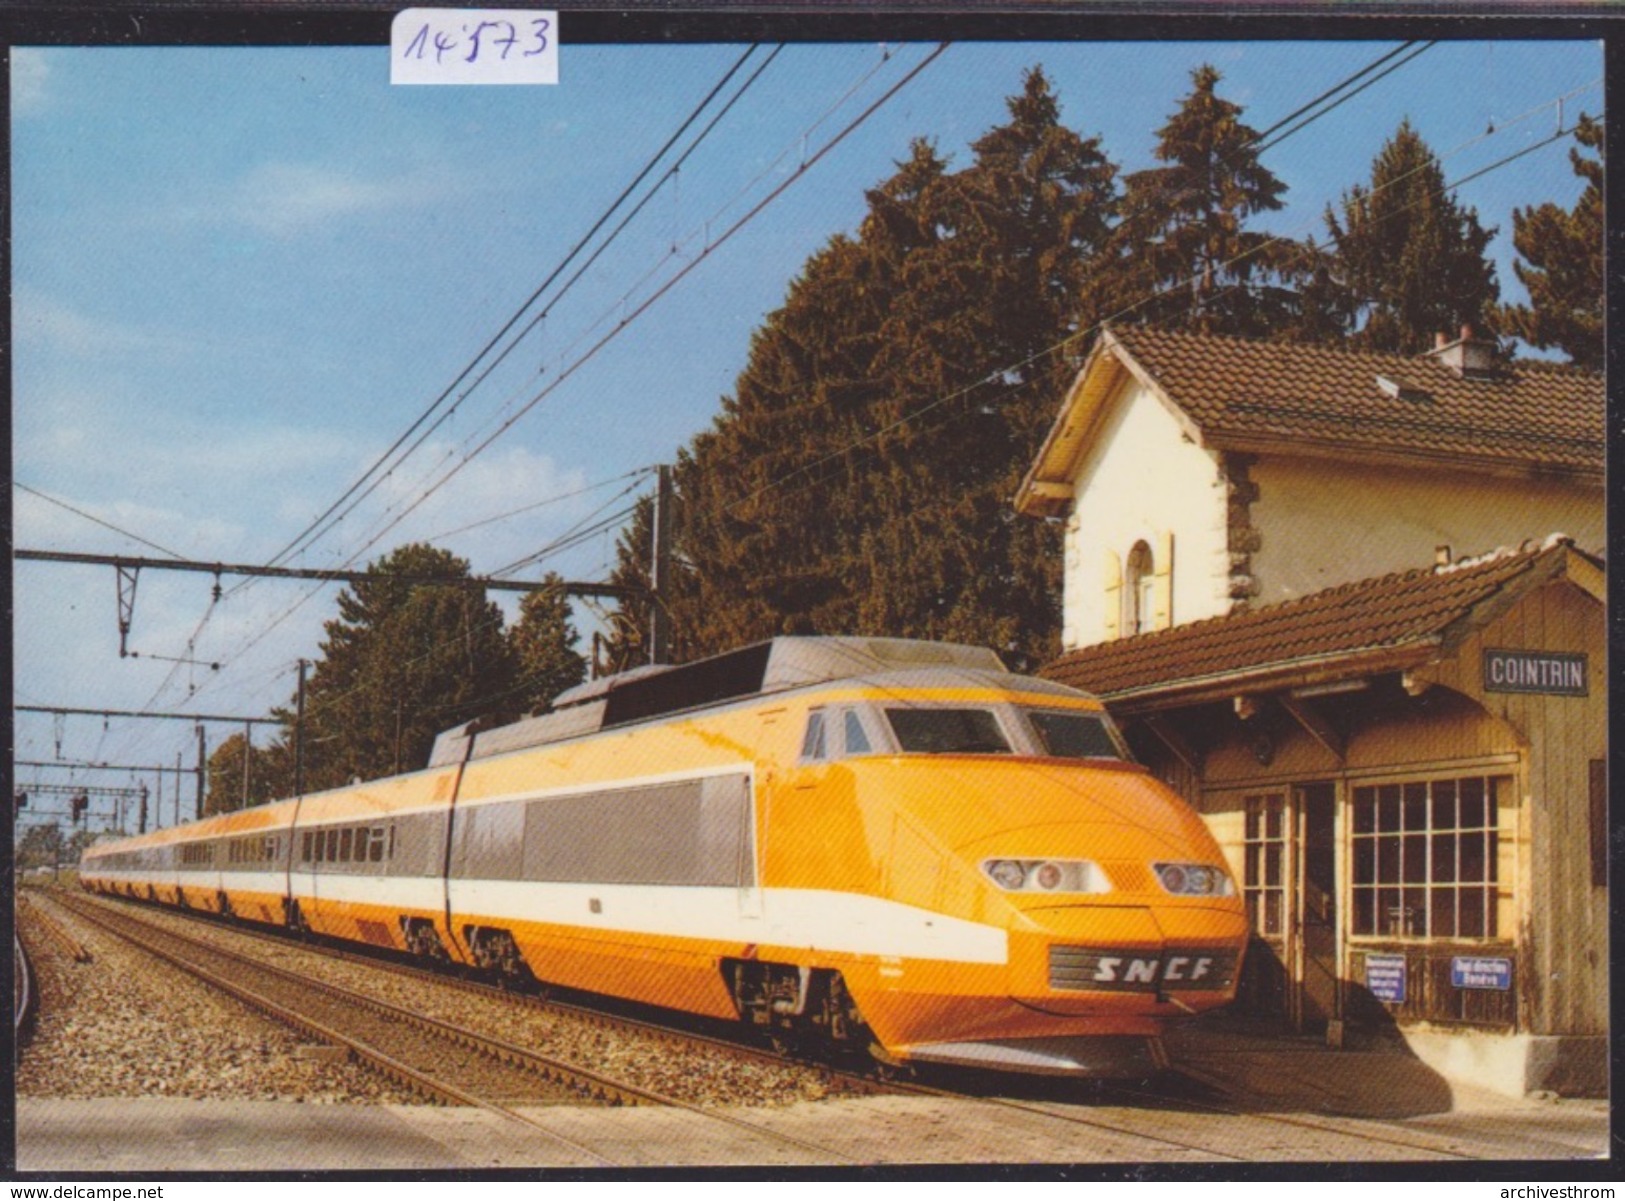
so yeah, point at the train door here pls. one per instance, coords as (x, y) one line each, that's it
(1316, 925)
(1291, 890)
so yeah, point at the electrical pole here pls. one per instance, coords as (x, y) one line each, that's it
(143, 827)
(660, 572)
(299, 735)
(201, 759)
(248, 749)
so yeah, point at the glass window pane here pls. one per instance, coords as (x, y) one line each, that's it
(1365, 810)
(1272, 865)
(1365, 903)
(1390, 916)
(1272, 817)
(1254, 858)
(344, 846)
(1365, 861)
(1416, 912)
(1472, 913)
(1472, 856)
(948, 731)
(857, 742)
(1444, 804)
(1416, 806)
(1073, 735)
(1472, 804)
(1388, 808)
(812, 746)
(1442, 920)
(1415, 856)
(1272, 912)
(1388, 860)
(1252, 818)
(1444, 858)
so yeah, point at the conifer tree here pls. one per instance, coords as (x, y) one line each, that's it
(1184, 256)
(402, 661)
(1411, 258)
(858, 480)
(1561, 266)
(543, 642)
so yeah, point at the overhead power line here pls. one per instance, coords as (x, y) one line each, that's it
(313, 573)
(316, 528)
(62, 504)
(63, 709)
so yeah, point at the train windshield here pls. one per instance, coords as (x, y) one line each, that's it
(947, 731)
(1067, 734)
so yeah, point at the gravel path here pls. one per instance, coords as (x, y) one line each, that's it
(125, 1025)
(700, 1077)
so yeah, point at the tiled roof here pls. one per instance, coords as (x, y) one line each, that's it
(1413, 610)
(1240, 391)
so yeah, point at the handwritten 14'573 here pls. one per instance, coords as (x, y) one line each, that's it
(472, 46)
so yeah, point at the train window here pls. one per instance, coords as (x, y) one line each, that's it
(857, 742)
(331, 851)
(948, 731)
(304, 848)
(345, 855)
(375, 844)
(814, 746)
(1073, 735)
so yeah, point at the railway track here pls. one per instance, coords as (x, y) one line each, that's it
(440, 1060)
(24, 994)
(1176, 1120)
(669, 1038)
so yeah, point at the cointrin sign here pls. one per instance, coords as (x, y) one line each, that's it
(1552, 673)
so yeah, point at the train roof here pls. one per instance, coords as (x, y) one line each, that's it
(766, 667)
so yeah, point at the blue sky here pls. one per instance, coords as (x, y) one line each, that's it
(239, 274)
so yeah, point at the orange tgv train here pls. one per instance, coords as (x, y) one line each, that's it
(880, 844)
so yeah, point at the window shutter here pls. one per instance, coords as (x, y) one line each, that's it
(1114, 595)
(1162, 584)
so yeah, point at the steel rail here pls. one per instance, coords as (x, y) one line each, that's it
(24, 997)
(585, 1080)
(611, 1022)
(66, 943)
(422, 1082)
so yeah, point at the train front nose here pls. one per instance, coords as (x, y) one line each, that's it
(1140, 963)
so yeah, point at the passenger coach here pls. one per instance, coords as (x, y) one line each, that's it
(876, 844)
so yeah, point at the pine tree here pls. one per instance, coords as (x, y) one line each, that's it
(1411, 258)
(543, 642)
(1562, 253)
(402, 661)
(858, 479)
(1184, 256)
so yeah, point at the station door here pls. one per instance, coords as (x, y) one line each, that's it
(1291, 890)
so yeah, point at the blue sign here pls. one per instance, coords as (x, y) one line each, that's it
(1469, 972)
(1385, 977)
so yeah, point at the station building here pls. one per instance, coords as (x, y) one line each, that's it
(1324, 594)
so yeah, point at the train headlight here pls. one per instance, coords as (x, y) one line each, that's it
(1007, 873)
(1194, 880)
(1046, 875)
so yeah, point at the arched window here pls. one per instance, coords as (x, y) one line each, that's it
(1138, 581)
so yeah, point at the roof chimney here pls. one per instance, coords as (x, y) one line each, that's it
(1469, 357)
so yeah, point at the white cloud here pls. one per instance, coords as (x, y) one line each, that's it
(30, 71)
(284, 199)
(40, 321)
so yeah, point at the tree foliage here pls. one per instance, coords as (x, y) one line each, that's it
(1411, 259)
(1184, 255)
(1562, 256)
(858, 479)
(270, 775)
(402, 661)
(543, 642)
